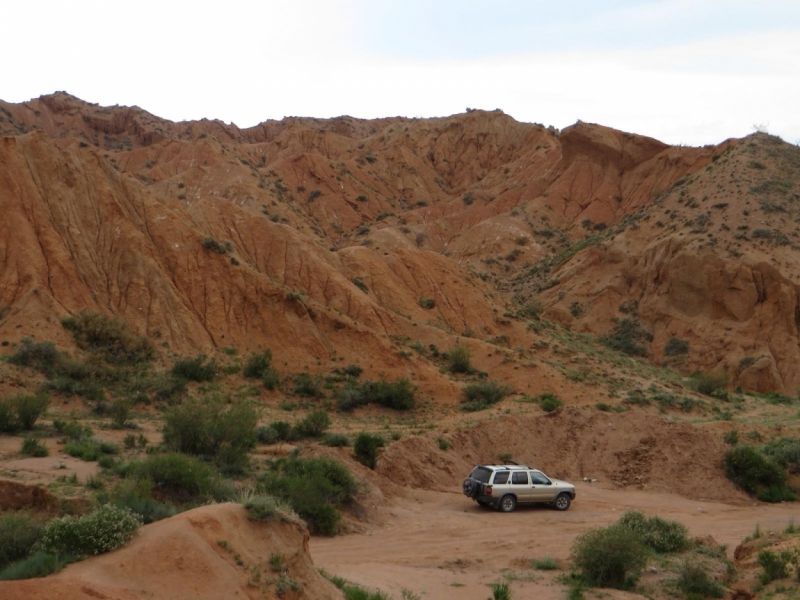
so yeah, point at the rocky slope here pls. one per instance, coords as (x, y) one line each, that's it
(345, 238)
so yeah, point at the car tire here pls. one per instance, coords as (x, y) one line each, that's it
(507, 503)
(562, 502)
(470, 487)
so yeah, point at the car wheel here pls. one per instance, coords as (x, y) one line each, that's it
(507, 503)
(469, 487)
(562, 502)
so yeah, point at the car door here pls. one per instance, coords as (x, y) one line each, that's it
(520, 486)
(541, 488)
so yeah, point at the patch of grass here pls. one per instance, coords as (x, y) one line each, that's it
(459, 360)
(549, 402)
(90, 449)
(40, 564)
(544, 564)
(32, 447)
(443, 444)
(268, 508)
(774, 565)
(336, 440)
(366, 447)
(500, 591)
(313, 487)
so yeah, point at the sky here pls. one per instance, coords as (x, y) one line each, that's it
(686, 72)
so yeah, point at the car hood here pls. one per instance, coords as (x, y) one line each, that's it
(560, 483)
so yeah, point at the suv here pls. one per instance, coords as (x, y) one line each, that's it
(503, 486)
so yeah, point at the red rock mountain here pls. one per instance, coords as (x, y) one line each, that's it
(351, 239)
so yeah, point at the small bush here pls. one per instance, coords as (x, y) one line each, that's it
(708, 383)
(336, 440)
(41, 356)
(200, 368)
(501, 591)
(32, 447)
(676, 346)
(611, 556)
(267, 508)
(397, 395)
(110, 338)
(626, 336)
(532, 309)
(776, 493)
(177, 477)
(693, 579)
(751, 470)
(18, 534)
(138, 500)
(459, 358)
(21, 412)
(731, 437)
(120, 412)
(214, 429)
(478, 396)
(307, 385)
(774, 565)
(366, 447)
(314, 487)
(102, 530)
(314, 425)
(210, 243)
(267, 434)
(90, 449)
(660, 535)
(40, 564)
(427, 303)
(258, 365)
(549, 402)
(544, 564)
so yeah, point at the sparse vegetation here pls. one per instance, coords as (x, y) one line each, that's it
(693, 579)
(200, 368)
(109, 338)
(626, 336)
(366, 447)
(676, 347)
(708, 383)
(482, 395)
(459, 360)
(397, 395)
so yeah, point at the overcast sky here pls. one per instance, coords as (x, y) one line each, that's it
(684, 71)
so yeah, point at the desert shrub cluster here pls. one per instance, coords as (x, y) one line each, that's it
(21, 412)
(397, 395)
(483, 394)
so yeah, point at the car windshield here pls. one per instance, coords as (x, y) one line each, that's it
(481, 474)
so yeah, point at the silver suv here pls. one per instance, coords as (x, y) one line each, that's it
(503, 486)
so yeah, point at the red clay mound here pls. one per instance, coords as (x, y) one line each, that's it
(628, 449)
(210, 552)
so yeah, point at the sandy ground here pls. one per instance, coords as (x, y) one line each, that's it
(441, 545)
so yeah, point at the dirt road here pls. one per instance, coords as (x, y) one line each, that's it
(443, 546)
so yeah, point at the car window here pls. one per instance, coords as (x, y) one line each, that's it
(519, 478)
(539, 478)
(501, 477)
(481, 474)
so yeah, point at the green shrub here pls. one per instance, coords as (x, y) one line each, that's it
(611, 556)
(72, 430)
(676, 346)
(41, 356)
(397, 395)
(284, 430)
(200, 368)
(708, 383)
(120, 412)
(731, 437)
(314, 487)
(459, 358)
(693, 579)
(90, 449)
(110, 338)
(314, 425)
(786, 452)
(776, 493)
(544, 564)
(32, 447)
(307, 385)
(427, 303)
(148, 508)
(336, 440)
(18, 534)
(8, 418)
(30, 408)
(214, 429)
(774, 565)
(549, 402)
(751, 470)
(660, 535)
(266, 434)
(210, 243)
(40, 564)
(178, 477)
(481, 395)
(271, 379)
(366, 448)
(532, 309)
(257, 365)
(267, 508)
(626, 336)
(102, 530)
